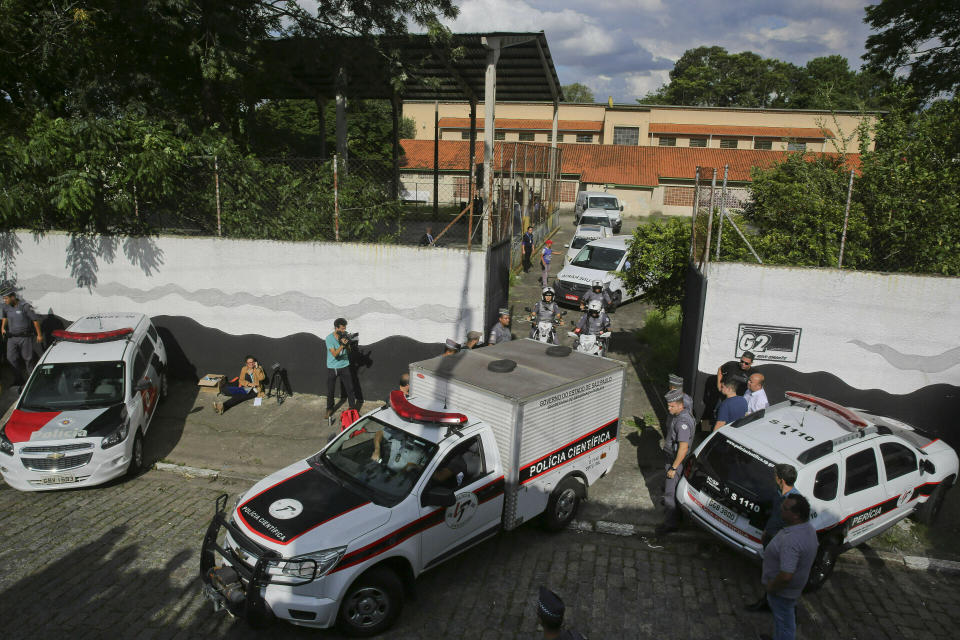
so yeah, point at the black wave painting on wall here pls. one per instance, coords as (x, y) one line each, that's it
(934, 408)
(194, 350)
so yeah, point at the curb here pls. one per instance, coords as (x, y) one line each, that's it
(187, 472)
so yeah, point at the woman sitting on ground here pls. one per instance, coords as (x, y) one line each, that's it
(249, 385)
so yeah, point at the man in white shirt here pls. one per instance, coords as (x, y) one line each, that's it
(755, 395)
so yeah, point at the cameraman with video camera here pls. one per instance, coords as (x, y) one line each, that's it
(338, 365)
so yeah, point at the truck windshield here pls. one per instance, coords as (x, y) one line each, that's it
(67, 386)
(600, 221)
(735, 476)
(380, 461)
(603, 203)
(601, 258)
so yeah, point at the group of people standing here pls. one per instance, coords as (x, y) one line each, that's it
(741, 390)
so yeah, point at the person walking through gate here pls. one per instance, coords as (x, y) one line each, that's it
(338, 366)
(526, 246)
(545, 257)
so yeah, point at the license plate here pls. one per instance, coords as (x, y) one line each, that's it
(58, 480)
(727, 514)
(570, 296)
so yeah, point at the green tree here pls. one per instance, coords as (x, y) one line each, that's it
(921, 36)
(577, 92)
(829, 83)
(658, 257)
(908, 189)
(796, 214)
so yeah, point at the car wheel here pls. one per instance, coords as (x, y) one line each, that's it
(563, 504)
(823, 564)
(372, 603)
(927, 512)
(164, 387)
(136, 455)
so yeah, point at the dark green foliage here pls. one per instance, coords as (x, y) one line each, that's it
(658, 256)
(577, 92)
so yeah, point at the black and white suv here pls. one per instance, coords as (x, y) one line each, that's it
(861, 473)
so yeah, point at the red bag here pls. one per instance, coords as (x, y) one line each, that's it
(348, 417)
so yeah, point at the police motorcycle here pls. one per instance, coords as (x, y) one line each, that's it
(593, 344)
(545, 330)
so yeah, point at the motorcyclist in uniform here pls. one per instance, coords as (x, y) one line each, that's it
(594, 322)
(596, 292)
(546, 310)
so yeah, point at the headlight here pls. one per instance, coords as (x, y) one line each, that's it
(117, 436)
(5, 445)
(312, 565)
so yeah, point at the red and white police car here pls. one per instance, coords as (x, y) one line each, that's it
(862, 474)
(83, 413)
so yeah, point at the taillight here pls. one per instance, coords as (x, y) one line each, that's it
(688, 468)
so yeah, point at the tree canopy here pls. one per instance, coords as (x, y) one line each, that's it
(577, 92)
(922, 37)
(712, 76)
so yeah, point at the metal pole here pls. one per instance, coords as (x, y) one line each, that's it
(846, 217)
(216, 187)
(489, 109)
(336, 202)
(696, 207)
(713, 190)
(723, 208)
(436, 158)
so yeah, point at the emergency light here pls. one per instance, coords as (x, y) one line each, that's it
(845, 414)
(98, 336)
(407, 411)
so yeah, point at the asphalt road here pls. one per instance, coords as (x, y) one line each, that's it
(121, 561)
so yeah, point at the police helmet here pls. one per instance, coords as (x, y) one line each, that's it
(594, 307)
(596, 284)
(547, 291)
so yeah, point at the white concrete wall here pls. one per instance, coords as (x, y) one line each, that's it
(273, 289)
(892, 332)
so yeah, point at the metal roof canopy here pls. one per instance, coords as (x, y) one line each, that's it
(308, 67)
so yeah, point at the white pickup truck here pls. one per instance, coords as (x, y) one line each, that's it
(488, 439)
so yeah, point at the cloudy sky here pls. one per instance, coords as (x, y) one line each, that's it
(626, 48)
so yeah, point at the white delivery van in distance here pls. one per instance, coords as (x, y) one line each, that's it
(488, 439)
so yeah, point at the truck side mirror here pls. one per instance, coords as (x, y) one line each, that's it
(439, 497)
(143, 385)
(621, 207)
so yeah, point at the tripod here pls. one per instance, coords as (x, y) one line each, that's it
(279, 384)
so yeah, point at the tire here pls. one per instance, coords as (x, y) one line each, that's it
(372, 604)
(823, 564)
(136, 455)
(563, 504)
(164, 387)
(927, 512)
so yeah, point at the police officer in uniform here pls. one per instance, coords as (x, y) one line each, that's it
(676, 382)
(550, 612)
(545, 310)
(501, 330)
(596, 292)
(19, 326)
(594, 322)
(676, 443)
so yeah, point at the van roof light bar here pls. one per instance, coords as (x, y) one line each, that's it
(408, 411)
(841, 414)
(96, 336)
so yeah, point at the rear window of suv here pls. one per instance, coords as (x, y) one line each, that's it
(736, 476)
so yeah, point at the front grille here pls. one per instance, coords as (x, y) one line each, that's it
(575, 287)
(58, 448)
(63, 464)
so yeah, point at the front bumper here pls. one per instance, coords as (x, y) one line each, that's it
(64, 464)
(569, 292)
(254, 593)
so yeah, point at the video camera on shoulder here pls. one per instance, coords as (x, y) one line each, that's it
(352, 338)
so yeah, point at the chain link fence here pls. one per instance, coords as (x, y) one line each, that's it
(713, 201)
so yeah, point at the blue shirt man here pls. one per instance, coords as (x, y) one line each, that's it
(734, 407)
(338, 366)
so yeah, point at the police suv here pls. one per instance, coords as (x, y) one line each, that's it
(82, 415)
(487, 440)
(862, 473)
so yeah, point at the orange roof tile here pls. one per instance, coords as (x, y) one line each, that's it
(731, 130)
(608, 164)
(517, 123)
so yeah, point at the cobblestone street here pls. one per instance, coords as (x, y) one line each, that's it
(121, 561)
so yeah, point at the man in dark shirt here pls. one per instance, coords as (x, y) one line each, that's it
(734, 407)
(526, 244)
(741, 368)
(784, 475)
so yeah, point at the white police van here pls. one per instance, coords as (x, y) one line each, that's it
(82, 415)
(488, 439)
(597, 260)
(596, 202)
(862, 473)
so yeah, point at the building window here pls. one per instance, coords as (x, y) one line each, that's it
(499, 135)
(628, 136)
(550, 137)
(464, 135)
(698, 142)
(526, 136)
(728, 143)
(764, 145)
(568, 191)
(667, 142)
(678, 196)
(461, 186)
(584, 137)
(796, 146)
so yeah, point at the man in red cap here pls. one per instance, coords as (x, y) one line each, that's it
(545, 256)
